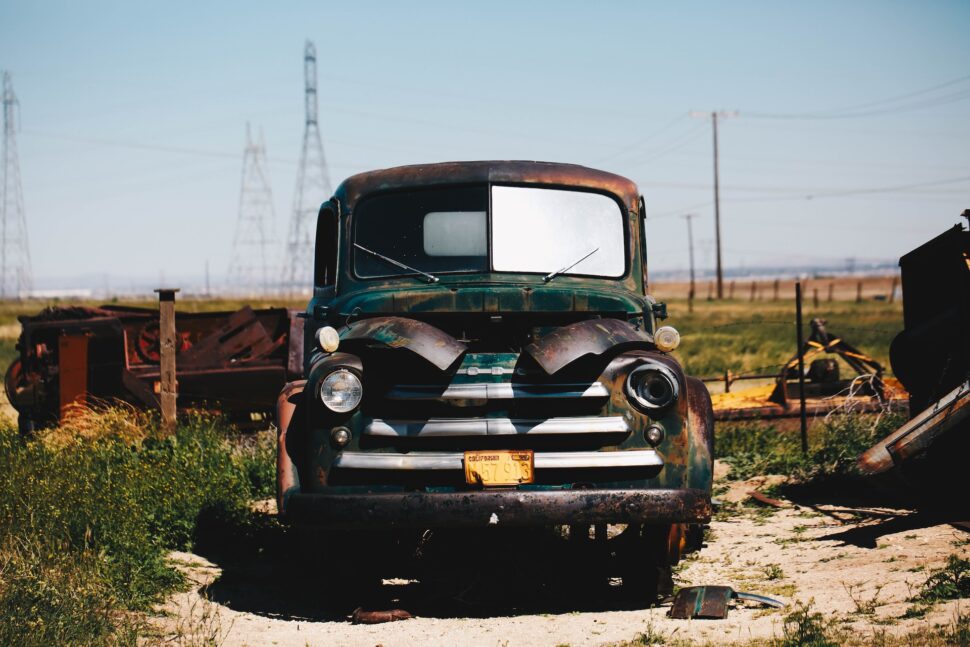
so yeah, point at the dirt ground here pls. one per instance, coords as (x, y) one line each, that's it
(858, 565)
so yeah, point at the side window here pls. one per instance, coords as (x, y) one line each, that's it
(328, 233)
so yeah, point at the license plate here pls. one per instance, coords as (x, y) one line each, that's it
(500, 467)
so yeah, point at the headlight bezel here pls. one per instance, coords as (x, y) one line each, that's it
(337, 373)
(652, 402)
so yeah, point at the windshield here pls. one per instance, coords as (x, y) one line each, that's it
(452, 229)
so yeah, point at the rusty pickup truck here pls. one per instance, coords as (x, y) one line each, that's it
(481, 352)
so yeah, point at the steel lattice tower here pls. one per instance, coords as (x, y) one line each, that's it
(249, 269)
(312, 188)
(16, 280)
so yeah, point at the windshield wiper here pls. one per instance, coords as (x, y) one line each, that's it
(431, 277)
(552, 275)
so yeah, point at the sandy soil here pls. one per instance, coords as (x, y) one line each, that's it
(843, 558)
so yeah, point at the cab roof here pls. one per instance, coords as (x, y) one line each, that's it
(512, 172)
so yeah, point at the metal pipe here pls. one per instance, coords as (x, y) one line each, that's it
(801, 365)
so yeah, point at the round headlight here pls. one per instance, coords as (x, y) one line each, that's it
(666, 338)
(652, 387)
(341, 391)
(328, 338)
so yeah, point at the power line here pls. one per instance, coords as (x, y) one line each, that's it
(861, 191)
(880, 106)
(675, 144)
(640, 142)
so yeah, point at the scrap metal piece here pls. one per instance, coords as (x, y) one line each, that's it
(761, 497)
(565, 345)
(707, 602)
(913, 438)
(711, 602)
(761, 599)
(361, 617)
(433, 344)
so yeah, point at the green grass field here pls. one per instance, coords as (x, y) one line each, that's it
(759, 336)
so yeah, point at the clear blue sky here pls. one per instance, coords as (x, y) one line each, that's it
(603, 84)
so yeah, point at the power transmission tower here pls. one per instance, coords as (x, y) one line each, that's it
(249, 269)
(16, 279)
(312, 188)
(717, 192)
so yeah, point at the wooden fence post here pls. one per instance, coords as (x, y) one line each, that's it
(168, 391)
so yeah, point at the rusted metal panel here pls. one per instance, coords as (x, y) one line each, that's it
(233, 363)
(705, 602)
(433, 344)
(72, 354)
(915, 437)
(567, 344)
(242, 339)
(362, 617)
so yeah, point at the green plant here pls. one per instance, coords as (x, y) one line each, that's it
(773, 572)
(257, 456)
(651, 636)
(949, 582)
(863, 605)
(88, 512)
(807, 628)
(754, 448)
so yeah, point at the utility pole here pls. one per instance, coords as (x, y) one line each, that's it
(690, 247)
(312, 188)
(249, 268)
(16, 279)
(714, 115)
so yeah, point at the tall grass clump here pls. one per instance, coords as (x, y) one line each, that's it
(88, 512)
(834, 444)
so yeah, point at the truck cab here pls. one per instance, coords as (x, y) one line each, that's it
(481, 351)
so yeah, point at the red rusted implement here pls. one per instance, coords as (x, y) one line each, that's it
(233, 363)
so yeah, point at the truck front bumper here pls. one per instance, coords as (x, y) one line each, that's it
(498, 508)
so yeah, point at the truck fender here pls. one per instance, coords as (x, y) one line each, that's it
(288, 428)
(565, 345)
(425, 340)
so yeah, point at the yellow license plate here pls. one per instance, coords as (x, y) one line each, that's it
(499, 467)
